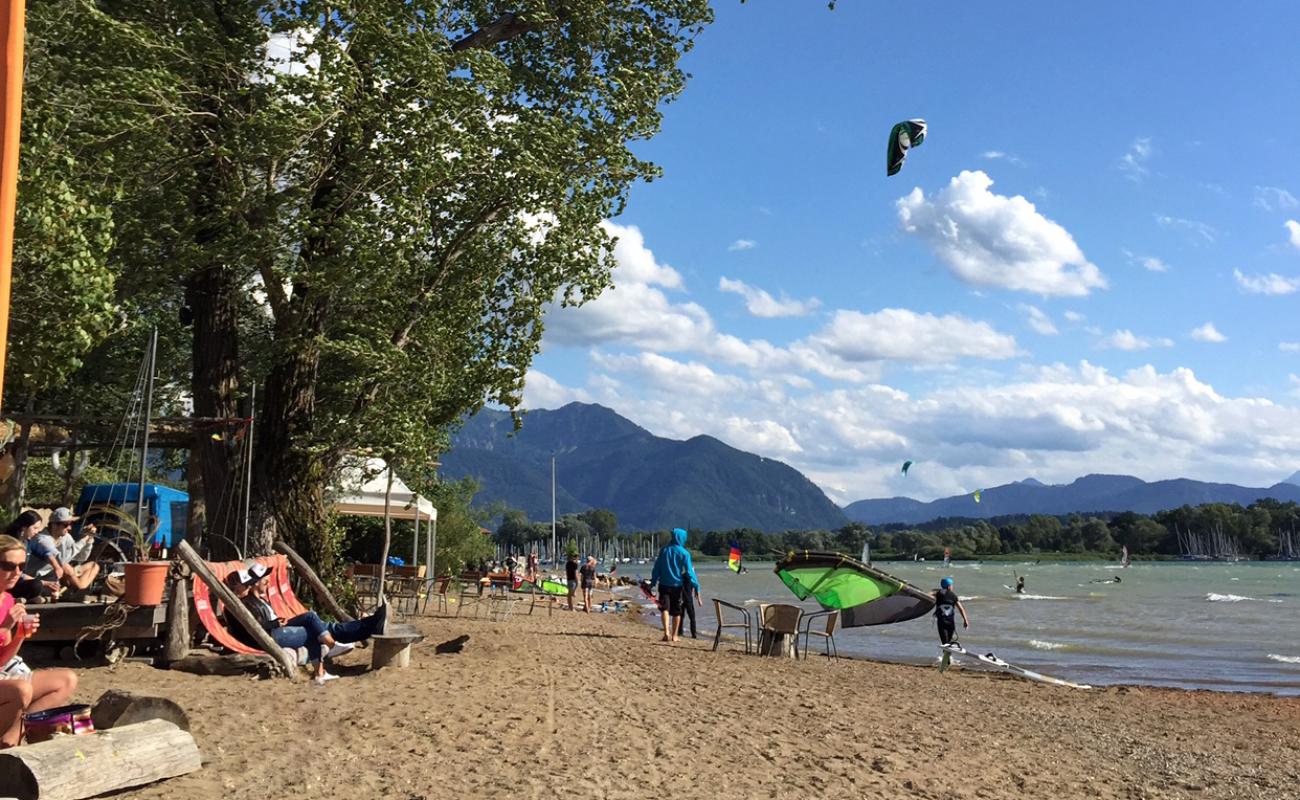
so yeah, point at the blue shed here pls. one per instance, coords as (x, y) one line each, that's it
(169, 507)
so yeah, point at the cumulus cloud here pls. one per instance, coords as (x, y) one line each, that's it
(1133, 163)
(897, 334)
(1055, 422)
(1274, 197)
(1271, 283)
(1207, 333)
(1074, 316)
(762, 304)
(1127, 340)
(987, 239)
(742, 244)
(1038, 320)
(1200, 230)
(1293, 229)
(543, 391)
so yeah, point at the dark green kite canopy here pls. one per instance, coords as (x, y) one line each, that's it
(903, 137)
(863, 595)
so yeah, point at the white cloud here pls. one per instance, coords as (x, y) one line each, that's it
(742, 244)
(987, 239)
(1133, 163)
(1208, 333)
(1056, 422)
(762, 304)
(1273, 197)
(996, 155)
(669, 374)
(897, 334)
(1149, 263)
(1271, 283)
(1289, 347)
(1293, 229)
(1127, 340)
(543, 391)
(1202, 230)
(1074, 316)
(1038, 320)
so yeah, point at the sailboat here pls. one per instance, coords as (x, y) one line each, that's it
(1123, 559)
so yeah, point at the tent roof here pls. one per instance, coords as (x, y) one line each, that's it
(361, 487)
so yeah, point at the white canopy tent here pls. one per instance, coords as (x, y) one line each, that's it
(360, 492)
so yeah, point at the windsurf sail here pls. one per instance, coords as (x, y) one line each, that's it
(866, 553)
(1123, 560)
(733, 560)
(947, 556)
(947, 650)
(863, 595)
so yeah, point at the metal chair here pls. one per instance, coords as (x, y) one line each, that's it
(777, 622)
(718, 605)
(471, 591)
(827, 631)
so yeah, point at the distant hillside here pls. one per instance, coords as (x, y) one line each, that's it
(1089, 493)
(605, 461)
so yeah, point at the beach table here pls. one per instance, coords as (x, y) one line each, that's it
(779, 629)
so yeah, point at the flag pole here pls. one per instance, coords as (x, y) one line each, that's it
(12, 24)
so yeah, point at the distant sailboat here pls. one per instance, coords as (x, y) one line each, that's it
(947, 556)
(866, 553)
(1123, 559)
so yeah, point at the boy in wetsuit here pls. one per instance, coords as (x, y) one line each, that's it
(945, 603)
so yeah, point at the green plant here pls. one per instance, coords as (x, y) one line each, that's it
(116, 524)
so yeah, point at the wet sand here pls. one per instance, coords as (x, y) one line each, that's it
(595, 706)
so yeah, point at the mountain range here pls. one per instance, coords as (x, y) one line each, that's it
(603, 460)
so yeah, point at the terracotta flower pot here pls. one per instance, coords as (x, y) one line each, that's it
(145, 582)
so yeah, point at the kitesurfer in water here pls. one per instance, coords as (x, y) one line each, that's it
(1020, 584)
(945, 604)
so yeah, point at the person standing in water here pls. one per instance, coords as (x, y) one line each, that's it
(1020, 584)
(945, 604)
(675, 576)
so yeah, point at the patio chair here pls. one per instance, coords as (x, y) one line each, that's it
(718, 605)
(822, 623)
(471, 591)
(779, 623)
(438, 589)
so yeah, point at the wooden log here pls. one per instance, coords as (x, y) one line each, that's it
(77, 767)
(313, 580)
(208, 664)
(287, 665)
(178, 622)
(116, 708)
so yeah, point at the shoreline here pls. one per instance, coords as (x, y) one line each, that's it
(594, 706)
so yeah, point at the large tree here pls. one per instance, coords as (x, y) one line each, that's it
(365, 207)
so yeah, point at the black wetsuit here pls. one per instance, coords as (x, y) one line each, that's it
(945, 614)
(688, 605)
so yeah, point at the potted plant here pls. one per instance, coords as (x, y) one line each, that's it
(146, 580)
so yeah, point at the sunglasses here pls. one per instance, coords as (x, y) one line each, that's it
(10, 566)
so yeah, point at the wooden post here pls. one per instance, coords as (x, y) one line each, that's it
(313, 580)
(178, 620)
(287, 664)
(77, 767)
(388, 541)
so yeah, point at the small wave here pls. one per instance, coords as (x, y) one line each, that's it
(1226, 598)
(1285, 659)
(1039, 597)
(1037, 645)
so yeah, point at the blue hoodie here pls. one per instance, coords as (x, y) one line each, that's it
(673, 566)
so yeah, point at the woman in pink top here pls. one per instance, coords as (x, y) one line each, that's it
(22, 690)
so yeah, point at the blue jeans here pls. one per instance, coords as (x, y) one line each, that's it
(305, 630)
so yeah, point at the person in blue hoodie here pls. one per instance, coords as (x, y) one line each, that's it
(675, 577)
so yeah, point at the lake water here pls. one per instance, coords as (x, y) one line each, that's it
(1230, 627)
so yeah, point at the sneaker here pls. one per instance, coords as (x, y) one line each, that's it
(321, 679)
(340, 648)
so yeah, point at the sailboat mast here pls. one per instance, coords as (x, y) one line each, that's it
(554, 560)
(144, 447)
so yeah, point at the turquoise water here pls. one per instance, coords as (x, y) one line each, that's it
(1230, 627)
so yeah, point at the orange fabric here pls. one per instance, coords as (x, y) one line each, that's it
(280, 575)
(13, 19)
(279, 593)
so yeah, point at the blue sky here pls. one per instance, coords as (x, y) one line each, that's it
(1092, 264)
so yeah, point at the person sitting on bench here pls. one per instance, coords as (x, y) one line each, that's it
(322, 639)
(21, 689)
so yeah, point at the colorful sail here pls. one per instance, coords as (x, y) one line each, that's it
(863, 595)
(733, 560)
(977, 494)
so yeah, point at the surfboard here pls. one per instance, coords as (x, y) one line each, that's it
(997, 663)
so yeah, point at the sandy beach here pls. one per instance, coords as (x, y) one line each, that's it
(595, 706)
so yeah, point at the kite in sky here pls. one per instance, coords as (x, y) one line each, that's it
(902, 138)
(977, 494)
(906, 466)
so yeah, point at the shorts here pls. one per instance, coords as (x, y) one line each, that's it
(670, 600)
(586, 584)
(947, 631)
(573, 586)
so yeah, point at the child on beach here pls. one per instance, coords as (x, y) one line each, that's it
(588, 572)
(675, 576)
(945, 603)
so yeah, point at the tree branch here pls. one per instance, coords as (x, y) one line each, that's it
(506, 27)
